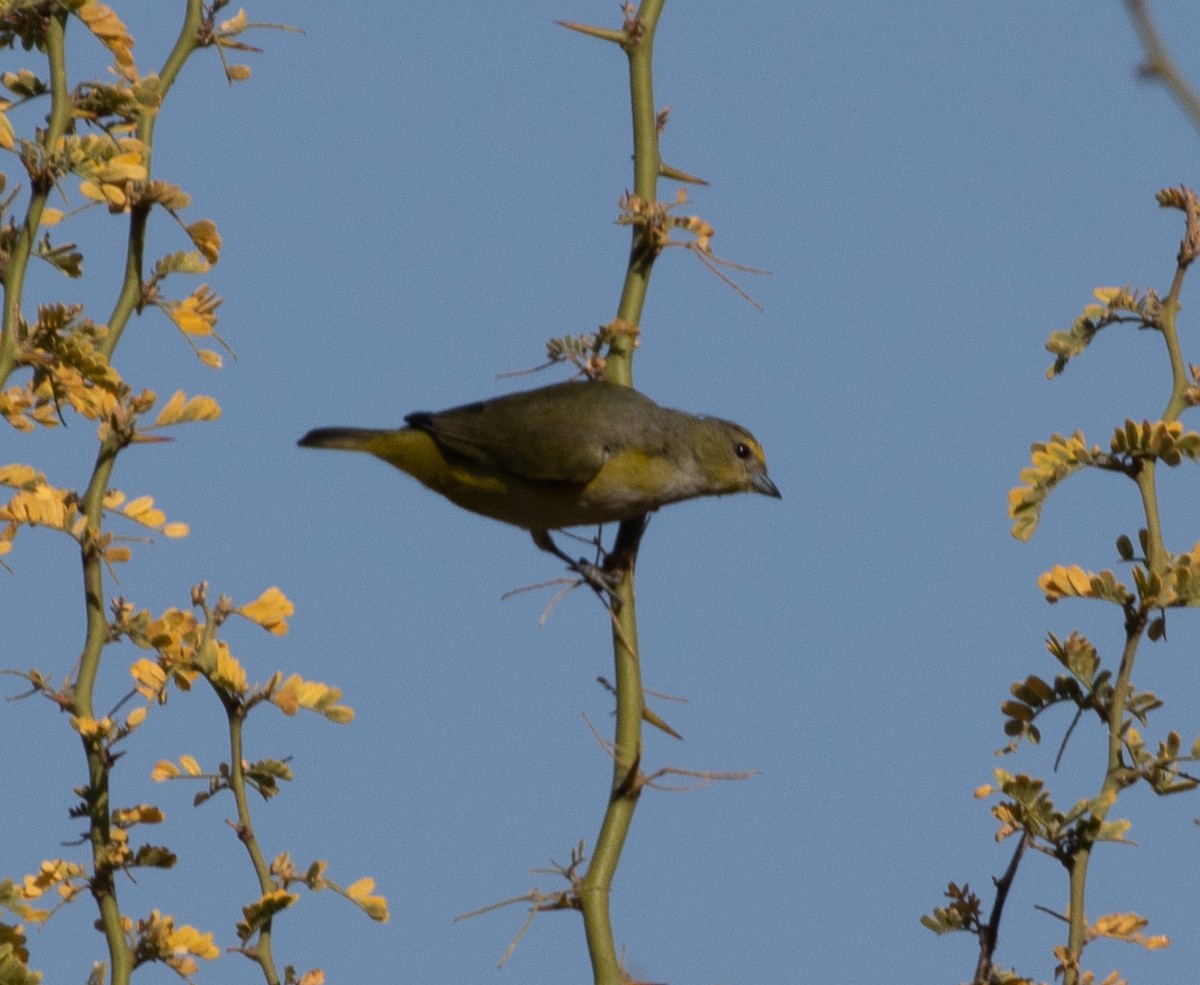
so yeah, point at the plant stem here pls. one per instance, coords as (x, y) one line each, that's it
(98, 762)
(596, 888)
(1076, 913)
(42, 181)
(185, 44)
(1114, 780)
(130, 295)
(1156, 551)
(989, 935)
(646, 167)
(1170, 332)
(1159, 64)
(245, 829)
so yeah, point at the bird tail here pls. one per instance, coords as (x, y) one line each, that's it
(346, 439)
(408, 449)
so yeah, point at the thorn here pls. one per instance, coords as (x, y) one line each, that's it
(653, 718)
(603, 33)
(675, 174)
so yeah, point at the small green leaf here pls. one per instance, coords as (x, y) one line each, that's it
(1124, 548)
(155, 857)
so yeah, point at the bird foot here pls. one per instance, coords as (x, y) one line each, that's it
(598, 578)
(604, 581)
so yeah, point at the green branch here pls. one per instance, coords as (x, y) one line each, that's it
(639, 47)
(596, 888)
(97, 629)
(129, 298)
(39, 165)
(236, 715)
(1180, 379)
(1159, 64)
(99, 764)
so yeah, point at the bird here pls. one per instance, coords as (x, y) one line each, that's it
(565, 455)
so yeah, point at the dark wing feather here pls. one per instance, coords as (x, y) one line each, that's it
(560, 433)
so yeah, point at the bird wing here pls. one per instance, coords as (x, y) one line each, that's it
(562, 433)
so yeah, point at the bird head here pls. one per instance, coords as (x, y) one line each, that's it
(729, 459)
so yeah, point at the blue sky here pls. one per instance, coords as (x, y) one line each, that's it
(411, 204)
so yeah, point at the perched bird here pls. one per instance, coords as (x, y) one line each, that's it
(565, 455)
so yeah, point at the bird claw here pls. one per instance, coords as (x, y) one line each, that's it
(597, 577)
(604, 581)
(601, 581)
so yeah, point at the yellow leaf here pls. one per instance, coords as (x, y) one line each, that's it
(43, 506)
(201, 408)
(52, 872)
(170, 412)
(374, 906)
(287, 698)
(152, 517)
(235, 24)
(179, 410)
(89, 728)
(89, 189)
(135, 718)
(206, 239)
(1079, 580)
(229, 673)
(237, 73)
(314, 876)
(18, 475)
(107, 27)
(170, 196)
(270, 610)
(175, 529)
(189, 321)
(138, 507)
(190, 766)
(164, 770)
(111, 195)
(262, 909)
(191, 941)
(7, 137)
(149, 678)
(126, 817)
(197, 313)
(1118, 924)
(51, 217)
(297, 693)
(210, 359)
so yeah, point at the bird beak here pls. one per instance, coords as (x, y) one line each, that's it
(760, 483)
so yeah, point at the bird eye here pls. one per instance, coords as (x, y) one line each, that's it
(742, 450)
